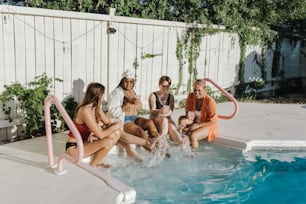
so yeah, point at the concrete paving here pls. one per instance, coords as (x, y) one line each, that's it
(26, 178)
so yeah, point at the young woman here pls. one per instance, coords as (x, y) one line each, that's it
(201, 119)
(125, 104)
(161, 104)
(89, 119)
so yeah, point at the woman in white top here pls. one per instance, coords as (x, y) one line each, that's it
(125, 104)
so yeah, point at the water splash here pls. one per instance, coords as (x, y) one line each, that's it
(187, 151)
(160, 153)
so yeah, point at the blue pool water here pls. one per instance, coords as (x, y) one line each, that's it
(216, 175)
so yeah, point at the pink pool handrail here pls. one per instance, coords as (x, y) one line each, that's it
(229, 96)
(59, 106)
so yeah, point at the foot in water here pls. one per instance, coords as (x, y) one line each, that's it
(105, 166)
(184, 142)
(151, 143)
(168, 155)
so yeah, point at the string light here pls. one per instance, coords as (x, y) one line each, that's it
(66, 48)
(140, 47)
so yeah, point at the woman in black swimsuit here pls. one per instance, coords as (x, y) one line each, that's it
(161, 104)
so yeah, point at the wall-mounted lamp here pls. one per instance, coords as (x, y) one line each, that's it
(111, 30)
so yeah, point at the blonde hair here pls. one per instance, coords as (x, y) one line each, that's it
(200, 82)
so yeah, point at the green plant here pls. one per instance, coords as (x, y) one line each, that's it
(29, 100)
(57, 121)
(257, 83)
(180, 58)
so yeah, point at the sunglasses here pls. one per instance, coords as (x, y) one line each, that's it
(165, 86)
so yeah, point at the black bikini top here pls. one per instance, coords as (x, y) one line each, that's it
(158, 103)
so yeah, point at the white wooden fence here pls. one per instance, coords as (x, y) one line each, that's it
(77, 48)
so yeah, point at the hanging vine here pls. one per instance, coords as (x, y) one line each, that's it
(180, 58)
(189, 48)
(192, 52)
(262, 63)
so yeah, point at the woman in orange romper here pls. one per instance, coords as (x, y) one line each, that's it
(201, 119)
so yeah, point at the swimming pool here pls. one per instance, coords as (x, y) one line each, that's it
(216, 174)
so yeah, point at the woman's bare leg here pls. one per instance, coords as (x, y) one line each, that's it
(161, 124)
(129, 150)
(134, 129)
(132, 139)
(197, 135)
(174, 134)
(147, 124)
(101, 152)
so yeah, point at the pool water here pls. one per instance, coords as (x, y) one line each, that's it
(216, 174)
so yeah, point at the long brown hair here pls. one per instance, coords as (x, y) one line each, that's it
(93, 92)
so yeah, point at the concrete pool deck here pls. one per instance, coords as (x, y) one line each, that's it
(26, 178)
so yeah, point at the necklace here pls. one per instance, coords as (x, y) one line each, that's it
(129, 94)
(199, 104)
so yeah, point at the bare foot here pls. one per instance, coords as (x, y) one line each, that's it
(194, 144)
(154, 134)
(103, 165)
(137, 159)
(130, 152)
(184, 141)
(151, 143)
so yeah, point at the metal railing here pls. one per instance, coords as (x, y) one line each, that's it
(229, 96)
(60, 170)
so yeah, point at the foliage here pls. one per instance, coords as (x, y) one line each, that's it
(240, 16)
(135, 65)
(57, 122)
(257, 83)
(256, 23)
(194, 36)
(180, 58)
(262, 63)
(149, 55)
(29, 99)
(189, 47)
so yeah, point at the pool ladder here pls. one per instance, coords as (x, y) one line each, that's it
(229, 96)
(60, 170)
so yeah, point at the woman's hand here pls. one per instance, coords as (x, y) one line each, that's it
(165, 111)
(116, 125)
(194, 126)
(191, 115)
(92, 138)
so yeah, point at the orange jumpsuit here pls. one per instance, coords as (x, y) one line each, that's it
(208, 113)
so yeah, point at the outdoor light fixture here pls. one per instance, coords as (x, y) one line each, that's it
(111, 30)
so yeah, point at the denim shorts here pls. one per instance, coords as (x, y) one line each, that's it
(130, 118)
